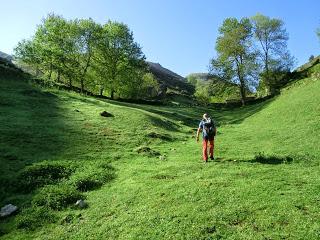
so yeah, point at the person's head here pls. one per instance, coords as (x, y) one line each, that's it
(205, 116)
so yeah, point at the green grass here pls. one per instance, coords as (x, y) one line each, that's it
(141, 170)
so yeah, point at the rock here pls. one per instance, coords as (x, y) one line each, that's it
(8, 210)
(81, 204)
(105, 114)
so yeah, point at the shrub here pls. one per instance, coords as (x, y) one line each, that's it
(32, 218)
(57, 196)
(144, 150)
(41, 174)
(92, 177)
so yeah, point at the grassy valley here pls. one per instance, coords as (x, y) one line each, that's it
(141, 173)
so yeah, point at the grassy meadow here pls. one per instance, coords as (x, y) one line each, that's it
(141, 172)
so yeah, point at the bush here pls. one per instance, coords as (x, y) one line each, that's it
(41, 174)
(57, 196)
(92, 177)
(35, 217)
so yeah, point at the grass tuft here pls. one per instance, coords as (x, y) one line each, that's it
(38, 175)
(57, 197)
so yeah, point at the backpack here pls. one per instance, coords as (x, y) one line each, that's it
(208, 127)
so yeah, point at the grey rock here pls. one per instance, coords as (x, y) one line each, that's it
(81, 204)
(8, 210)
(106, 114)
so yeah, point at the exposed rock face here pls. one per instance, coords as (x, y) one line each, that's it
(5, 57)
(8, 210)
(169, 79)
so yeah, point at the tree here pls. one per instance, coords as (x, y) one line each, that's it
(117, 56)
(27, 52)
(83, 54)
(236, 62)
(272, 39)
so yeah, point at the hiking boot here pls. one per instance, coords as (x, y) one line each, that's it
(212, 157)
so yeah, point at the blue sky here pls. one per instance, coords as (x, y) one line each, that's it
(178, 34)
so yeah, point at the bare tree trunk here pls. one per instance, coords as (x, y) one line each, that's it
(101, 91)
(85, 72)
(243, 94)
(58, 77)
(112, 94)
(50, 71)
(242, 83)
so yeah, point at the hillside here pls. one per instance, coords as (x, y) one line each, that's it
(169, 79)
(219, 90)
(141, 173)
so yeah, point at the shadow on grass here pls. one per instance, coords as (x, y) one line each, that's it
(260, 158)
(36, 136)
(31, 128)
(272, 159)
(191, 116)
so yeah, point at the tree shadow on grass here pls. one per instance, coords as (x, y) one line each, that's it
(163, 123)
(190, 116)
(271, 159)
(36, 136)
(31, 128)
(259, 158)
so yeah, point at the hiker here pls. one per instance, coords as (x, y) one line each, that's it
(209, 130)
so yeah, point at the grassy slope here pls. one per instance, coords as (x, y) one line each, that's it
(179, 197)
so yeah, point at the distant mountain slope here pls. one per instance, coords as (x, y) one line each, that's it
(7, 57)
(169, 79)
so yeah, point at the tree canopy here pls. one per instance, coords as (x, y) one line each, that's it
(85, 54)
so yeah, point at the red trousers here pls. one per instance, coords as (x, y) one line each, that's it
(205, 148)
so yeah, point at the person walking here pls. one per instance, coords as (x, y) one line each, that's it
(209, 130)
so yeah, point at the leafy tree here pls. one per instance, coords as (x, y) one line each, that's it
(82, 53)
(236, 62)
(26, 52)
(311, 58)
(272, 39)
(117, 56)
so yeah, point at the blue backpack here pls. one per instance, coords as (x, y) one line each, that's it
(208, 127)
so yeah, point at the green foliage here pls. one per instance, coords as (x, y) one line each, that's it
(33, 218)
(57, 196)
(87, 55)
(202, 93)
(92, 177)
(272, 40)
(192, 79)
(41, 174)
(119, 59)
(236, 61)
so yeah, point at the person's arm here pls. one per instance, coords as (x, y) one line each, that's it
(198, 132)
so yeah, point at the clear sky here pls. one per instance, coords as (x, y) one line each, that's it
(179, 34)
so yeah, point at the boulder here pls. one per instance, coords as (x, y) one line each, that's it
(81, 204)
(8, 210)
(105, 114)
